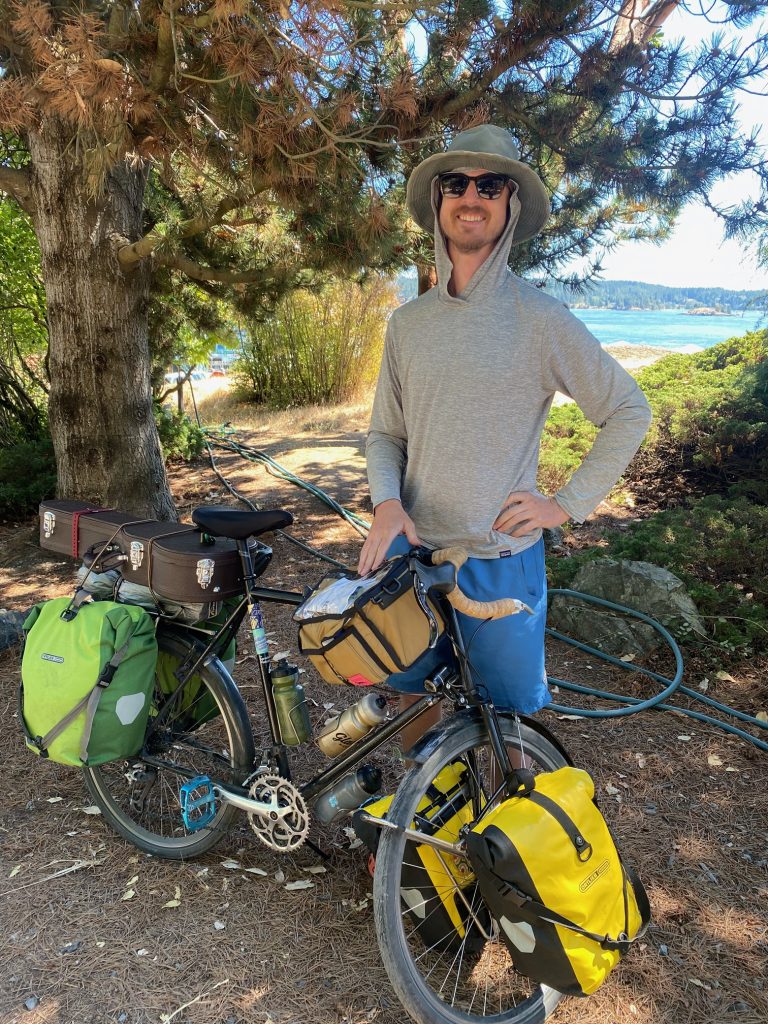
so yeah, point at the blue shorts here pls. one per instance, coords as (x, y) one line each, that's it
(506, 655)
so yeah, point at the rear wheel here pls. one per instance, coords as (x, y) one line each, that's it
(206, 733)
(442, 981)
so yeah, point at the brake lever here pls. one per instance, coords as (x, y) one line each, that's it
(421, 596)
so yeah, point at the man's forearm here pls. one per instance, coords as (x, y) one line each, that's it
(610, 454)
(385, 457)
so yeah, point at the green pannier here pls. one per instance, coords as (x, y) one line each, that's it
(87, 680)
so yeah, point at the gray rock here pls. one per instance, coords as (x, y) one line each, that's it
(642, 586)
(553, 539)
(10, 628)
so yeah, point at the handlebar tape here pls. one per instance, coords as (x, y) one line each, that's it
(476, 609)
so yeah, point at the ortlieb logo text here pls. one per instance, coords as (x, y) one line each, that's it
(591, 879)
(52, 657)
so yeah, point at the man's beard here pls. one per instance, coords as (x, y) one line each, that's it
(471, 245)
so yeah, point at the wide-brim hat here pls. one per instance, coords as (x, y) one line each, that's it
(494, 149)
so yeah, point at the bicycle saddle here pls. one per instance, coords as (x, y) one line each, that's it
(237, 525)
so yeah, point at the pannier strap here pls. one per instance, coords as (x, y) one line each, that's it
(76, 525)
(582, 847)
(620, 944)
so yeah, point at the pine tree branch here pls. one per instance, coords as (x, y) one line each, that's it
(476, 91)
(7, 40)
(200, 273)
(129, 255)
(165, 57)
(18, 186)
(637, 22)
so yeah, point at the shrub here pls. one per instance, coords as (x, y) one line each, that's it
(319, 347)
(568, 436)
(180, 438)
(27, 475)
(711, 416)
(718, 547)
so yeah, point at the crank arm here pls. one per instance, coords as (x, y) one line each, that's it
(455, 849)
(246, 803)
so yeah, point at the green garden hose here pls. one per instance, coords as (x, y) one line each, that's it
(670, 686)
(225, 438)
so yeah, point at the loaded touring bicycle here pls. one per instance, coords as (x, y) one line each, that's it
(196, 764)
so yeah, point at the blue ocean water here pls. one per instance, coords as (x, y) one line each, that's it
(666, 328)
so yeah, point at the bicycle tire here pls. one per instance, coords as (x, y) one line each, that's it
(405, 958)
(223, 743)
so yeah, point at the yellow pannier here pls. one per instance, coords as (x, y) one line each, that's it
(437, 889)
(550, 873)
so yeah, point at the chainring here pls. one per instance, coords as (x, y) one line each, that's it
(285, 829)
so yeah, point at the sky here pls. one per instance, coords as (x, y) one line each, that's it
(695, 253)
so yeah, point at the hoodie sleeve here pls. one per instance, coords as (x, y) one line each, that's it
(575, 364)
(387, 445)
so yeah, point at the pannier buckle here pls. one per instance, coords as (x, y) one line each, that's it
(49, 524)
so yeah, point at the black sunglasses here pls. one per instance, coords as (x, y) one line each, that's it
(455, 184)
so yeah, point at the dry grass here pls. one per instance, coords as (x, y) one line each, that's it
(696, 833)
(217, 404)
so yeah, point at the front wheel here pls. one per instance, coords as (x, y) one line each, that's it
(441, 980)
(206, 733)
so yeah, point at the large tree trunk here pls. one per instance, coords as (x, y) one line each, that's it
(100, 407)
(427, 276)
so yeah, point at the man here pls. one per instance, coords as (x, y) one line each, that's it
(467, 379)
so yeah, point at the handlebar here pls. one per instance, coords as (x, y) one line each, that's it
(476, 609)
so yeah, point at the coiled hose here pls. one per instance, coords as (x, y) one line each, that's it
(225, 438)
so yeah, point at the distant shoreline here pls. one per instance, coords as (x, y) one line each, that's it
(633, 357)
(682, 310)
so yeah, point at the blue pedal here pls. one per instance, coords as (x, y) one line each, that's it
(198, 803)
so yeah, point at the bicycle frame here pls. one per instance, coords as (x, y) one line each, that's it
(461, 688)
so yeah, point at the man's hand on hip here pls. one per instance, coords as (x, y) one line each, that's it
(523, 512)
(389, 521)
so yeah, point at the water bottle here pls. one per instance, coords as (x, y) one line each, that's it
(348, 794)
(292, 713)
(345, 729)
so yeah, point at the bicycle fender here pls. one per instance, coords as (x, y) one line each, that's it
(423, 749)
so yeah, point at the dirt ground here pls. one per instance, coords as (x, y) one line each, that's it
(86, 938)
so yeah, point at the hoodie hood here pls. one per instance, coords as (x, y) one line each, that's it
(489, 275)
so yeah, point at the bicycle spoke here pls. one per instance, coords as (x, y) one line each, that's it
(454, 966)
(142, 799)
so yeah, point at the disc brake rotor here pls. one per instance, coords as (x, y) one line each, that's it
(285, 827)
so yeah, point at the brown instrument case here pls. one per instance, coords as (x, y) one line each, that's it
(71, 527)
(174, 560)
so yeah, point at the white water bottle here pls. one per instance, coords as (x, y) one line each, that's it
(348, 727)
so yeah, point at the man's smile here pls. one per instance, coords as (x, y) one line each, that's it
(470, 218)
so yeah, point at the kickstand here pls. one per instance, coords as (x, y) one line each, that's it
(320, 853)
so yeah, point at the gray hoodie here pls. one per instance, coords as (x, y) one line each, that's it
(465, 386)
